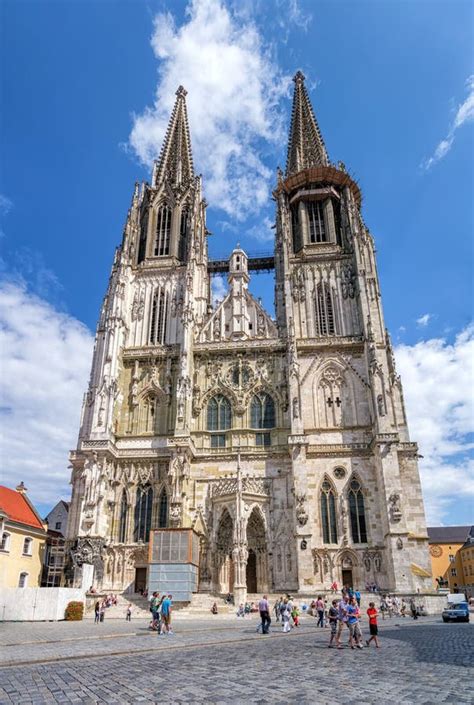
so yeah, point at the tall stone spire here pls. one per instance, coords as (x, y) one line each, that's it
(305, 146)
(176, 160)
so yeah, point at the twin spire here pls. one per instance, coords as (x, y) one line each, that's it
(176, 159)
(305, 145)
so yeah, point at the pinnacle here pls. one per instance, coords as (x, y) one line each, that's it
(305, 146)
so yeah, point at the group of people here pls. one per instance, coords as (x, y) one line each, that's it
(246, 608)
(161, 608)
(347, 613)
(101, 605)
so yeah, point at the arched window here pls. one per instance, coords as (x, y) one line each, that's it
(123, 518)
(262, 415)
(23, 580)
(143, 236)
(317, 227)
(324, 311)
(296, 229)
(183, 234)
(159, 318)
(357, 512)
(163, 232)
(163, 510)
(143, 509)
(328, 513)
(27, 547)
(219, 418)
(5, 541)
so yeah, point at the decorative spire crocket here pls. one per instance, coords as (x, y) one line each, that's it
(176, 160)
(305, 146)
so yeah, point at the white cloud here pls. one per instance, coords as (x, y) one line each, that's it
(233, 102)
(6, 204)
(218, 288)
(438, 379)
(263, 231)
(45, 359)
(424, 320)
(464, 113)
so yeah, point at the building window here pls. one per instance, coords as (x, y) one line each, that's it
(357, 512)
(183, 234)
(219, 418)
(263, 439)
(296, 229)
(328, 513)
(5, 541)
(317, 228)
(324, 311)
(143, 509)
(453, 572)
(143, 236)
(262, 415)
(451, 558)
(23, 580)
(123, 518)
(57, 526)
(163, 232)
(159, 318)
(163, 510)
(27, 547)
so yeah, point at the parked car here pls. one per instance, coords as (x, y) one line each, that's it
(456, 612)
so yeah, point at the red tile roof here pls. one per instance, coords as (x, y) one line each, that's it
(18, 508)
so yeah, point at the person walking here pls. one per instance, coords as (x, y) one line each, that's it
(355, 634)
(320, 611)
(295, 615)
(357, 596)
(342, 619)
(333, 620)
(373, 628)
(166, 609)
(264, 609)
(285, 616)
(413, 610)
(97, 612)
(276, 609)
(128, 614)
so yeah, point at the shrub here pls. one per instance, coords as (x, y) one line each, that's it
(74, 611)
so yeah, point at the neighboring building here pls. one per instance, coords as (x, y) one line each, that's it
(466, 554)
(57, 517)
(22, 539)
(54, 558)
(446, 565)
(283, 443)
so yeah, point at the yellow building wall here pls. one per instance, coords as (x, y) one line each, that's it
(467, 561)
(13, 562)
(441, 566)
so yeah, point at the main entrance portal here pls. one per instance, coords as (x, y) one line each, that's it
(251, 572)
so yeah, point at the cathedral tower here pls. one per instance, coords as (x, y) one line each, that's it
(282, 443)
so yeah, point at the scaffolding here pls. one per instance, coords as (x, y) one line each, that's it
(53, 568)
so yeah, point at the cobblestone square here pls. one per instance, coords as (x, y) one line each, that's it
(227, 661)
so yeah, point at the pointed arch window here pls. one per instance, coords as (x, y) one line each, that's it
(219, 418)
(163, 510)
(123, 518)
(328, 513)
(163, 231)
(357, 512)
(143, 236)
(296, 228)
(325, 324)
(183, 234)
(159, 318)
(262, 415)
(317, 226)
(143, 509)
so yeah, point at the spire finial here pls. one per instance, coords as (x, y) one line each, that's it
(305, 146)
(181, 92)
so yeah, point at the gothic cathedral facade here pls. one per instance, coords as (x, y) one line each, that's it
(282, 442)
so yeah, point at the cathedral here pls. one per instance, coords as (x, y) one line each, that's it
(282, 443)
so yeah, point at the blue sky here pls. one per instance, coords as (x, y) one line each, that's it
(389, 84)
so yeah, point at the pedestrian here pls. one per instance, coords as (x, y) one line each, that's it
(276, 609)
(97, 612)
(320, 611)
(342, 619)
(373, 628)
(166, 609)
(355, 634)
(357, 596)
(241, 610)
(264, 609)
(102, 611)
(295, 615)
(383, 606)
(128, 615)
(285, 615)
(403, 608)
(333, 620)
(413, 610)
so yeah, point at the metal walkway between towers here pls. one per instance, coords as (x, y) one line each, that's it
(257, 261)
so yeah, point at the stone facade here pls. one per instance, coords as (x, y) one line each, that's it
(283, 443)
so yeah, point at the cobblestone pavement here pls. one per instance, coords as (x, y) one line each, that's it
(225, 661)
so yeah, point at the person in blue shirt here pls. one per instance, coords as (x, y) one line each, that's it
(357, 597)
(166, 608)
(353, 614)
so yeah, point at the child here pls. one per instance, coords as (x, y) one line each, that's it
(333, 620)
(295, 614)
(129, 613)
(355, 634)
(373, 628)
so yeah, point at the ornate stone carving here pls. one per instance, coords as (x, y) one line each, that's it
(348, 285)
(301, 513)
(89, 550)
(394, 507)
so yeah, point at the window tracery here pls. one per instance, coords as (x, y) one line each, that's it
(328, 512)
(357, 512)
